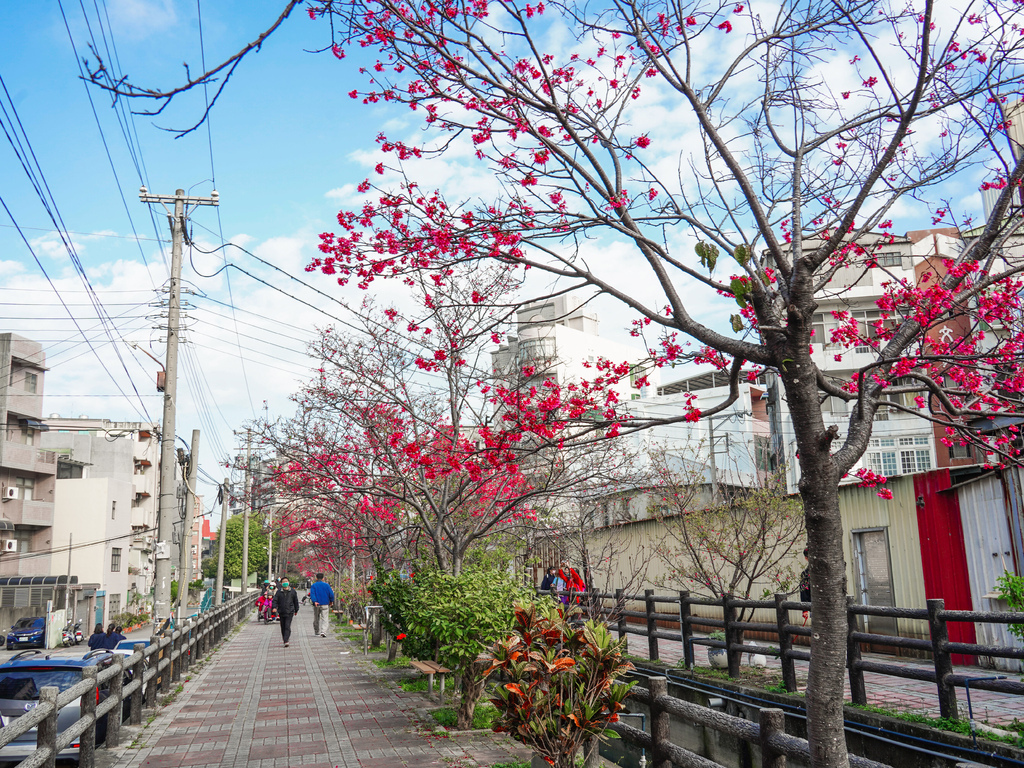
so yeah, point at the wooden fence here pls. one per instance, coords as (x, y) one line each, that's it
(612, 607)
(154, 668)
(769, 733)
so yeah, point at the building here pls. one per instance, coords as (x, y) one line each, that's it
(108, 478)
(558, 340)
(27, 470)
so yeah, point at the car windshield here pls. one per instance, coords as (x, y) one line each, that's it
(24, 684)
(27, 623)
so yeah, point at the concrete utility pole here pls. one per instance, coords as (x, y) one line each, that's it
(245, 511)
(185, 551)
(168, 474)
(218, 587)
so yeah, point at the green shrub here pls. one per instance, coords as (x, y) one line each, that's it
(483, 717)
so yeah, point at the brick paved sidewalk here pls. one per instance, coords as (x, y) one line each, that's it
(259, 704)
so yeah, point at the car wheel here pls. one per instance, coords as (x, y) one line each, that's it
(10, 647)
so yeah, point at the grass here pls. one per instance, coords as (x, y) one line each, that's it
(940, 723)
(413, 684)
(400, 661)
(513, 764)
(483, 716)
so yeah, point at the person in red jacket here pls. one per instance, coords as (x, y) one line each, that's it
(573, 582)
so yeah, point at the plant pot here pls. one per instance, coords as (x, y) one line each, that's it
(718, 658)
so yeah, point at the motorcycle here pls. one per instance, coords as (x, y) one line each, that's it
(67, 636)
(79, 635)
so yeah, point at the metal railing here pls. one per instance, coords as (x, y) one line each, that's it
(612, 608)
(154, 668)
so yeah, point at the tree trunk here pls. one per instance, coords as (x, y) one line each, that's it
(471, 687)
(819, 489)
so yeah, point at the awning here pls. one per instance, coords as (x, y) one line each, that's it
(34, 424)
(35, 581)
(144, 462)
(6, 525)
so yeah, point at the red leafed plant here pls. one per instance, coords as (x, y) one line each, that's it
(563, 681)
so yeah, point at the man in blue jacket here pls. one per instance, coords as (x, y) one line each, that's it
(322, 597)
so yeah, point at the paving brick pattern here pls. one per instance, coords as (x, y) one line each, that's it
(886, 691)
(257, 704)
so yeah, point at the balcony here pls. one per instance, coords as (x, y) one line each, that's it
(28, 511)
(28, 458)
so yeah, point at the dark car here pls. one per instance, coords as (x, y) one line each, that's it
(27, 633)
(21, 679)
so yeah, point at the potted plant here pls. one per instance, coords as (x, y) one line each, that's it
(718, 657)
(563, 681)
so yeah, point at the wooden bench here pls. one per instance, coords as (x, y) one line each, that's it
(431, 668)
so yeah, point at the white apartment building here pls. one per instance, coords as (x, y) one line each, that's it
(121, 461)
(558, 338)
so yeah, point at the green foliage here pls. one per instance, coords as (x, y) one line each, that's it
(209, 568)
(196, 584)
(708, 255)
(413, 684)
(129, 619)
(174, 590)
(1011, 590)
(513, 764)
(395, 594)
(463, 614)
(963, 727)
(400, 661)
(484, 717)
(233, 547)
(563, 684)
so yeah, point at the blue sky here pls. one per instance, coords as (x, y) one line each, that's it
(282, 137)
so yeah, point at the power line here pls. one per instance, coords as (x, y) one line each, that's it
(92, 234)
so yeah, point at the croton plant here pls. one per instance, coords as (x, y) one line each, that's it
(561, 681)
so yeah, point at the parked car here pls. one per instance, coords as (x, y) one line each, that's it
(24, 675)
(27, 633)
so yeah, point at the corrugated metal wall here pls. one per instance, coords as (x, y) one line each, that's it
(862, 509)
(989, 547)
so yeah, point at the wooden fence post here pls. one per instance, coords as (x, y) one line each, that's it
(729, 619)
(858, 692)
(652, 626)
(942, 659)
(660, 722)
(772, 721)
(114, 716)
(87, 706)
(620, 606)
(46, 733)
(685, 630)
(138, 673)
(785, 643)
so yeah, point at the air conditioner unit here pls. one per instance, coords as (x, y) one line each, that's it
(10, 545)
(10, 493)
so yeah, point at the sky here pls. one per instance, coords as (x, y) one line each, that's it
(285, 148)
(280, 144)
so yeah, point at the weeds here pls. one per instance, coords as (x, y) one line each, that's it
(484, 716)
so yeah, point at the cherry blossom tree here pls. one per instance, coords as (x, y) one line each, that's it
(405, 443)
(745, 151)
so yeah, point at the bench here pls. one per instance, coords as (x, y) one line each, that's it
(431, 668)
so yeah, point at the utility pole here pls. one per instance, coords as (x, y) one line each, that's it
(218, 587)
(168, 475)
(245, 511)
(185, 551)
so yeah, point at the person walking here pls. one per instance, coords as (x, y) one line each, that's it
(322, 597)
(549, 579)
(98, 638)
(286, 601)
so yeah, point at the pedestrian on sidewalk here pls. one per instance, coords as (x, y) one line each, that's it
(286, 601)
(98, 638)
(322, 597)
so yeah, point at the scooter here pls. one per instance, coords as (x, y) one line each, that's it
(67, 636)
(79, 635)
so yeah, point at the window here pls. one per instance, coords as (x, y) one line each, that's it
(24, 486)
(114, 604)
(113, 510)
(957, 451)
(824, 324)
(889, 259)
(31, 382)
(899, 456)
(115, 560)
